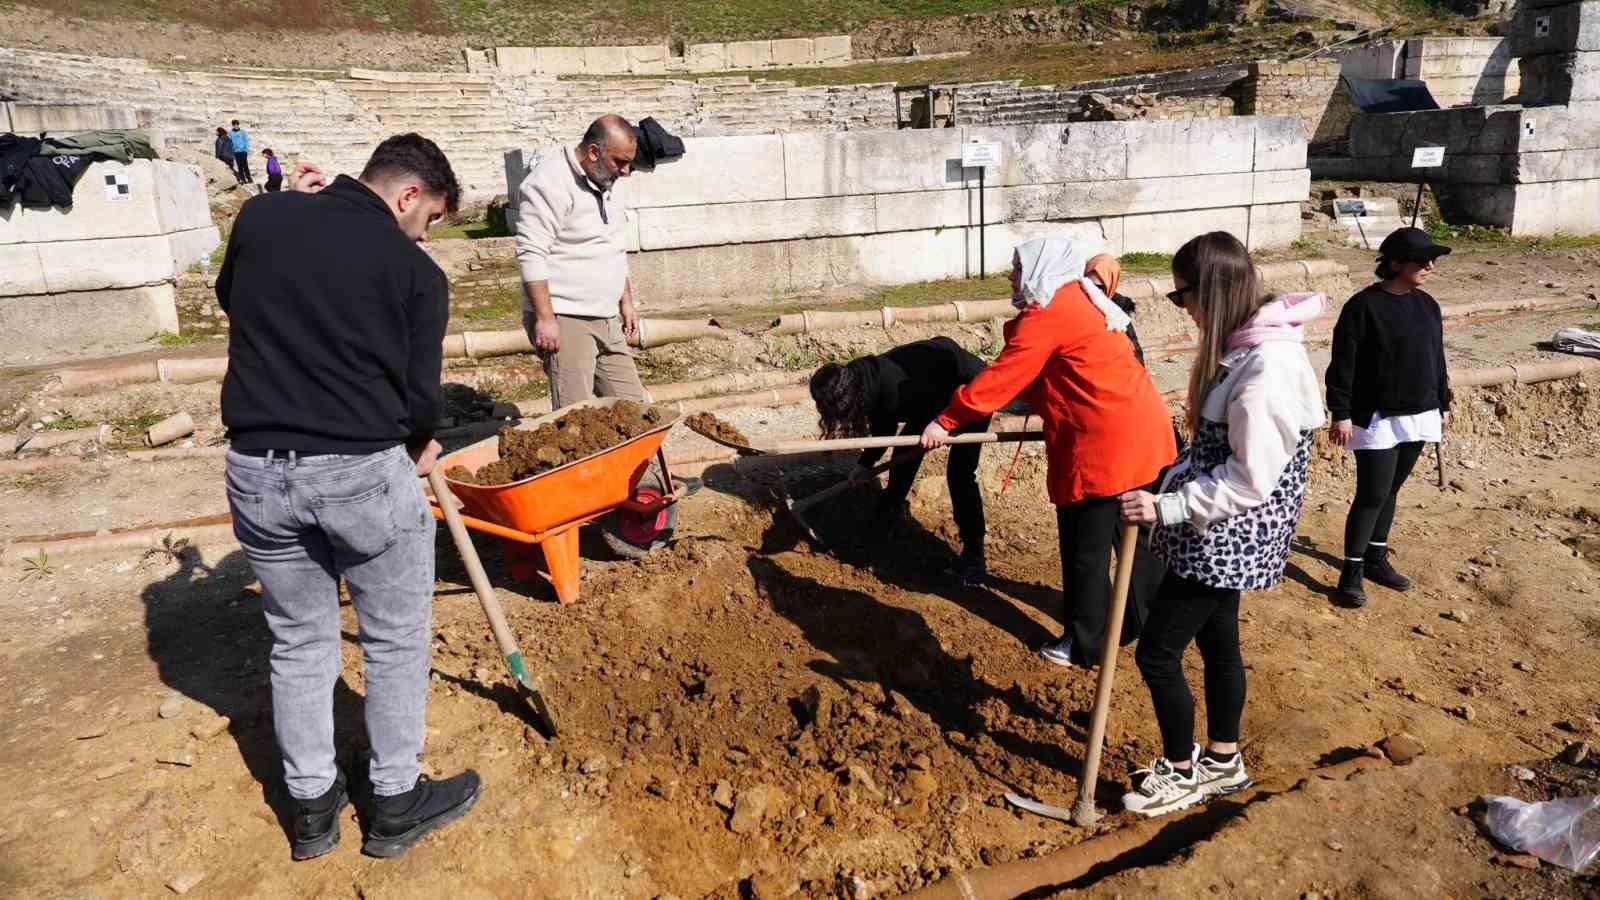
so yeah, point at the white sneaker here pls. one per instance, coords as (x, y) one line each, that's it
(1219, 778)
(1162, 789)
(1059, 653)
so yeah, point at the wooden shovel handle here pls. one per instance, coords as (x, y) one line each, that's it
(1084, 812)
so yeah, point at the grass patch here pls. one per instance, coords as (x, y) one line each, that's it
(1308, 248)
(1142, 261)
(926, 293)
(1484, 237)
(172, 339)
(138, 424)
(68, 422)
(471, 231)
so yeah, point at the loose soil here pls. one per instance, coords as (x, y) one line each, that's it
(577, 435)
(716, 429)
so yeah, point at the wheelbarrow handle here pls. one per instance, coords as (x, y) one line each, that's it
(483, 525)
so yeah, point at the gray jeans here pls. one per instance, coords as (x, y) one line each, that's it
(304, 522)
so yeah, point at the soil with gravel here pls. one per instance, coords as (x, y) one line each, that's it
(717, 430)
(577, 435)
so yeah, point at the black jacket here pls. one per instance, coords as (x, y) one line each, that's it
(654, 144)
(1388, 357)
(223, 149)
(912, 383)
(336, 322)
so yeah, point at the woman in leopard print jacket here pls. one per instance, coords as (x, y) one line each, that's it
(1227, 509)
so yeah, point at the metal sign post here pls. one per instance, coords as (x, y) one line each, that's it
(981, 155)
(1424, 158)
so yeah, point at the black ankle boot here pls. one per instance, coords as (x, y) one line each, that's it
(402, 820)
(1350, 588)
(316, 822)
(1379, 570)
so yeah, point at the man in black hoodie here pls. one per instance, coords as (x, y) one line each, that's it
(336, 322)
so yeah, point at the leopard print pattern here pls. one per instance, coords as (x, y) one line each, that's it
(1246, 552)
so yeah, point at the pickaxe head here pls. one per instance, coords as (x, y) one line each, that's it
(794, 511)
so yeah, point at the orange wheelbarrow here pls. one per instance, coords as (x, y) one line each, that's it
(546, 511)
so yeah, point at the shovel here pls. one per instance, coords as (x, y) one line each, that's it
(528, 688)
(800, 448)
(797, 508)
(1084, 813)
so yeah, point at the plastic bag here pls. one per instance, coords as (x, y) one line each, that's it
(1565, 832)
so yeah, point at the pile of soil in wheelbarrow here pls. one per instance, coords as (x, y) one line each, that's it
(578, 434)
(716, 429)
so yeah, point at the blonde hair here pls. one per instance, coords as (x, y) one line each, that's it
(1219, 272)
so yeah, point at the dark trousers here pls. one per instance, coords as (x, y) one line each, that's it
(961, 477)
(1184, 611)
(274, 182)
(1379, 477)
(1088, 531)
(241, 163)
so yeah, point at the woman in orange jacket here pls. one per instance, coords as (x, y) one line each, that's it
(1106, 429)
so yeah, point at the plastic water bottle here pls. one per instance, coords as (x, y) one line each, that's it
(205, 264)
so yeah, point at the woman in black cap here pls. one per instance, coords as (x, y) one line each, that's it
(1389, 393)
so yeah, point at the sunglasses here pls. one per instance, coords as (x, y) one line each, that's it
(1177, 296)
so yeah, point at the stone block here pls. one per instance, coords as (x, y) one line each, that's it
(1280, 143)
(1273, 225)
(793, 52)
(1191, 147)
(749, 54)
(1469, 168)
(1555, 207)
(21, 271)
(922, 210)
(1165, 232)
(1574, 126)
(1000, 241)
(36, 118)
(1044, 154)
(605, 60)
(16, 225)
(47, 327)
(185, 248)
(93, 214)
(561, 61)
(517, 60)
(1555, 165)
(833, 164)
(671, 279)
(706, 57)
(832, 50)
(650, 59)
(1281, 186)
(180, 193)
(714, 170)
(773, 220)
(1555, 29)
(105, 263)
(1560, 77)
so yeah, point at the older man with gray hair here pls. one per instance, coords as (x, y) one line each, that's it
(572, 250)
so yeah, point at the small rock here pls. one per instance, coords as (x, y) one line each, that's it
(722, 795)
(859, 776)
(176, 758)
(1455, 615)
(1464, 711)
(593, 764)
(211, 727)
(960, 803)
(1402, 748)
(1521, 773)
(749, 810)
(184, 883)
(921, 762)
(1424, 630)
(922, 784)
(1335, 846)
(170, 708)
(1516, 860)
(1521, 666)
(1576, 752)
(90, 732)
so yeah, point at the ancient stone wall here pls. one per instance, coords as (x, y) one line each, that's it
(99, 275)
(752, 217)
(657, 59)
(336, 118)
(1300, 89)
(1463, 71)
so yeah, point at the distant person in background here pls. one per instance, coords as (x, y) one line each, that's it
(240, 142)
(274, 171)
(223, 150)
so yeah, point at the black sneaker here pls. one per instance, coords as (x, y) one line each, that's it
(1350, 589)
(316, 822)
(1380, 571)
(402, 820)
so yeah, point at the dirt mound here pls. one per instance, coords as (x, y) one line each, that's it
(576, 435)
(715, 429)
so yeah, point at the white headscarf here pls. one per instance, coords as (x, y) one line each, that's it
(1050, 262)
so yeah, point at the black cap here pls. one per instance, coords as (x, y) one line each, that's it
(1411, 245)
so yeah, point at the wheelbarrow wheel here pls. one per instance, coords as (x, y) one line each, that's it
(633, 535)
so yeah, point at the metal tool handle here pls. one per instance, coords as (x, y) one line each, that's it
(832, 491)
(907, 440)
(1084, 813)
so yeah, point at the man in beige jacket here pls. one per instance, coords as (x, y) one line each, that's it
(572, 250)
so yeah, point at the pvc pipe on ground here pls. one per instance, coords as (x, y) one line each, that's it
(168, 430)
(85, 379)
(192, 371)
(738, 381)
(659, 332)
(484, 344)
